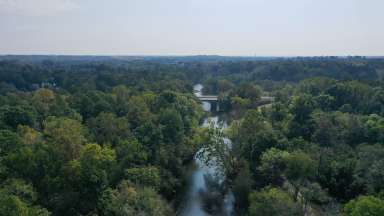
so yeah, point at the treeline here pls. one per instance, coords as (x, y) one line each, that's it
(273, 73)
(94, 139)
(83, 75)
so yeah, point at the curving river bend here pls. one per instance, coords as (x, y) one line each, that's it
(206, 175)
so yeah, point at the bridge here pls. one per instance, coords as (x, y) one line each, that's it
(208, 97)
(215, 98)
(267, 99)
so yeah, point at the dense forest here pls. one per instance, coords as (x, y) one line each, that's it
(116, 136)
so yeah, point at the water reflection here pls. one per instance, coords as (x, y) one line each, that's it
(206, 180)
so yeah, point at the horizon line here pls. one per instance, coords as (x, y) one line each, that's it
(187, 55)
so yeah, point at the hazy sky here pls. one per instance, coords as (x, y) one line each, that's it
(191, 27)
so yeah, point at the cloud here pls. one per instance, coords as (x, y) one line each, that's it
(36, 7)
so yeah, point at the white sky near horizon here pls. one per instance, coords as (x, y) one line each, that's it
(192, 27)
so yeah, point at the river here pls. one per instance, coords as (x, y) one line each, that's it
(207, 179)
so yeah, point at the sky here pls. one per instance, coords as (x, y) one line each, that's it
(192, 27)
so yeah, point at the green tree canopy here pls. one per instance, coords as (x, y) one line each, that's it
(271, 202)
(365, 205)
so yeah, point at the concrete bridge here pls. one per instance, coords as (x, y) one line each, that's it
(213, 100)
(267, 99)
(208, 98)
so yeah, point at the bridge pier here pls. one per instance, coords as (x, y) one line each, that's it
(212, 100)
(215, 107)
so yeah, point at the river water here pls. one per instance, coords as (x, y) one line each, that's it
(205, 175)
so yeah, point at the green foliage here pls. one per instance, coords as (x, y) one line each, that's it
(12, 116)
(336, 172)
(365, 205)
(374, 127)
(29, 135)
(273, 163)
(322, 135)
(302, 107)
(91, 174)
(67, 134)
(94, 166)
(315, 86)
(272, 201)
(106, 128)
(248, 91)
(300, 166)
(216, 151)
(213, 86)
(145, 176)
(18, 198)
(43, 99)
(142, 124)
(172, 126)
(138, 111)
(242, 187)
(369, 168)
(128, 200)
(91, 103)
(254, 135)
(9, 141)
(131, 152)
